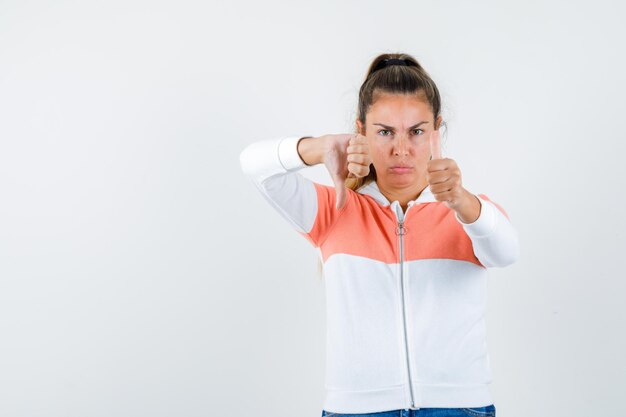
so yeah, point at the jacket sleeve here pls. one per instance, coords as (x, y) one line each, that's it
(494, 239)
(309, 207)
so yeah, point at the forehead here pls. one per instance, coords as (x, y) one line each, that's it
(399, 107)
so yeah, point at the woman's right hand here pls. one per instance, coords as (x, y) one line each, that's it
(346, 155)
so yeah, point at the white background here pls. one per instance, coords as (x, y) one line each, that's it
(141, 274)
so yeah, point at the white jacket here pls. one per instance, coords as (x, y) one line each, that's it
(405, 292)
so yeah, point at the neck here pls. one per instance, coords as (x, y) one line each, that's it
(403, 195)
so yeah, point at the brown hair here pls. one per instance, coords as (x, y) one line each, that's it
(393, 79)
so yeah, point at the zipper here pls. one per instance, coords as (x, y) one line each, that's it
(401, 231)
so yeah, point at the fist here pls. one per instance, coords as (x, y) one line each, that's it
(444, 176)
(358, 158)
(347, 155)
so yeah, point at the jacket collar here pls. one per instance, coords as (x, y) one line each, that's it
(373, 191)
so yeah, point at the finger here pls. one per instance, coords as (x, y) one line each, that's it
(435, 144)
(358, 139)
(358, 149)
(340, 196)
(358, 170)
(359, 158)
(339, 180)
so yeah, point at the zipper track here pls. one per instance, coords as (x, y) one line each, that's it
(401, 231)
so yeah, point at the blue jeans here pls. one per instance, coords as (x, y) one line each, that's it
(487, 411)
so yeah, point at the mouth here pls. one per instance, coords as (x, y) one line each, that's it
(401, 169)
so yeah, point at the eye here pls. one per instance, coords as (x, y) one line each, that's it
(380, 132)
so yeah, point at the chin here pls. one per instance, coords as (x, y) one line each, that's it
(401, 179)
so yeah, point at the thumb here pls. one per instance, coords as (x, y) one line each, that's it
(340, 191)
(339, 181)
(435, 144)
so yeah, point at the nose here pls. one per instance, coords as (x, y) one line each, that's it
(400, 146)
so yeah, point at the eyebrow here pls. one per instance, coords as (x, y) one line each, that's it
(392, 128)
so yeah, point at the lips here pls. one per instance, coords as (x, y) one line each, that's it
(401, 169)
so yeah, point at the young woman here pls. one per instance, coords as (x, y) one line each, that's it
(404, 248)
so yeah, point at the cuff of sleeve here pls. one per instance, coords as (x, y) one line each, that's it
(288, 153)
(485, 224)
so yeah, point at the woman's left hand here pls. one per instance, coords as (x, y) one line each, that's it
(444, 179)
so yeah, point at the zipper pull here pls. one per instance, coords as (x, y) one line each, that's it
(401, 230)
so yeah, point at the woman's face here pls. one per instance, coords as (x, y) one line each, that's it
(398, 128)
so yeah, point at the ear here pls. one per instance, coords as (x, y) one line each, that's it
(438, 122)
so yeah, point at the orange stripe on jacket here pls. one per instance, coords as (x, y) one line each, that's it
(365, 228)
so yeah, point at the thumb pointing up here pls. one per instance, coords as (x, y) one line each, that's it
(435, 144)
